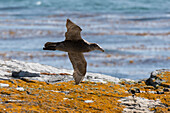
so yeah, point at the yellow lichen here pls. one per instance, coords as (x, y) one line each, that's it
(67, 97)
(43, 97)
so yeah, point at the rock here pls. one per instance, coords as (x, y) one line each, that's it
(138, 104)
(155, 73)
(166, 90)
(148, 87)
(88, 101)
(134, 90)
(20, 89)
(155, 80)
(65, 92)
(89, 77)
(24, 74)
(159, 92)
(98, 80)
(65, 98)
(150, 81)
(35, 71)
(164, 84)
(27, 80)
(4, 85)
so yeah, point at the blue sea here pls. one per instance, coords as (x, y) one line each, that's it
(135, 34)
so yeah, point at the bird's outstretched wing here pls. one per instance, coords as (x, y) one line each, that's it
(73, 31)
(79, 64)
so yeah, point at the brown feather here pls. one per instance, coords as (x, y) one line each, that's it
(73, 31)
(79, 64)
(75, 46)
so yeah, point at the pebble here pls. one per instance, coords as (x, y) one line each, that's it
(65, 98)
(166, 90)
(4, 85)
(88, 101)
(20, 89)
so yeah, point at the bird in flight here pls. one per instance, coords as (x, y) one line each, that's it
(75, 46)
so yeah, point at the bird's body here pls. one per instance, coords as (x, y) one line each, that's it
(70, 46)
(75, 46)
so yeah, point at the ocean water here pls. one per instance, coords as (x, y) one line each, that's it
(134, 33)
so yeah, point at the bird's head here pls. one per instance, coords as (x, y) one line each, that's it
(96, 47)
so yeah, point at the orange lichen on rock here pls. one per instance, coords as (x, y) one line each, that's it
(48, 73)
(160, 92)
(36, 96)
(164, 76)
(42, 97)
(64, 74)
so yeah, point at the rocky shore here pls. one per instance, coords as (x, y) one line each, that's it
(32, 87)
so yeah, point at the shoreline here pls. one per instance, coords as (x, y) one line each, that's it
(41, 86)
(29, 69)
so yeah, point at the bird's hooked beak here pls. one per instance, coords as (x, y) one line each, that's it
(100, 49)
(96, 47)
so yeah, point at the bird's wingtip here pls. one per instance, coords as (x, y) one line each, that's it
(68, 20)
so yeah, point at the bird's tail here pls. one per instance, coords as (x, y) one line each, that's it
(50, 46)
